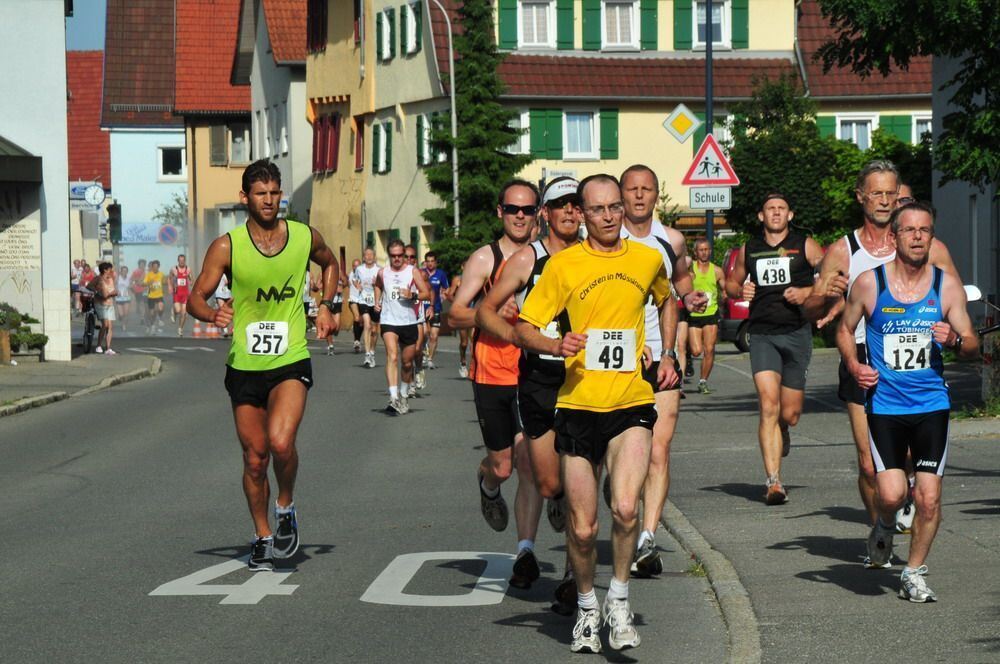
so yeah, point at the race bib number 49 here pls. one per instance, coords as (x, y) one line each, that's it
(907, 352)
(774, 271)
(610, 350)
(267, 337)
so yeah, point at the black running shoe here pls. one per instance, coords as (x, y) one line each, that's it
(786, 442)
(494, 509)
(565, 597)
(261, 555)
(689, 367)
(647, 563)
(286, 536)
(526, 570)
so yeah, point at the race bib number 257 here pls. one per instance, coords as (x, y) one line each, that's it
(267, 337)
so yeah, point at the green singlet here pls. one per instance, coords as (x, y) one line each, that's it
(706, 282)
(269, 324)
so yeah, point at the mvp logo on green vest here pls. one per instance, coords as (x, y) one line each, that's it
(273, 293)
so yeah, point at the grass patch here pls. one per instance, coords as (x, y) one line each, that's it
(989, 409)
(696, 569)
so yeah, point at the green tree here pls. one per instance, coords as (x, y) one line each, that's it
(777, 147)
(175, 213)
(484, 139)
(873, 36)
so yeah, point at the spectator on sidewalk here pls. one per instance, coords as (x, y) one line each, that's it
(138, 280)
(105, 289)
(123, 299)
(75, 272)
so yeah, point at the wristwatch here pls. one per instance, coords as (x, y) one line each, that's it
(669, 353)
(327, 303)
(958, 343)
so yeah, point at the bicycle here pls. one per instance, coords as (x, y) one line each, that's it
(89, 319)
(991, 376)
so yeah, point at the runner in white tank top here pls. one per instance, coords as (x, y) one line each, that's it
(398, 289)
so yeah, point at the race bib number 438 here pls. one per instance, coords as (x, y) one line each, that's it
(774, 271)
(907, 352)
(267, 337)
(610, 350)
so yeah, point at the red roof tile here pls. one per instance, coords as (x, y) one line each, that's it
(206, 48)
(616, 77)
(139, 64)
(89, 147)
(286, 26)
(814, 31)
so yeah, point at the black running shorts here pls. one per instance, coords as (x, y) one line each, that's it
(536, 405)
(366, 309)
(254, 387)
(787, 354)
(496, 408)
(435, 319)
(407, 334)
(924, 434)
(703, 321)
(649, 375)
(848, 390)
(586, 433)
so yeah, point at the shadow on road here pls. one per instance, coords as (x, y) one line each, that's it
(560, 629)
(752, 492)
(855, 578)
(281, 563)
(839, 513)
(992, 507)
(824, 546)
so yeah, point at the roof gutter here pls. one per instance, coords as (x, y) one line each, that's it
(798, 51)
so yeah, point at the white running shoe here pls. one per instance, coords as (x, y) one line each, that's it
(586, 631)
(914, 588)
(430, 364)
(110, 352)
(621, 622)
(904, 517)
(420, 381)
(98, 350)
(463, 370)
(404, 405)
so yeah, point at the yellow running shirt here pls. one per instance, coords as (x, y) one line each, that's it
(603, 295)
(154, 285)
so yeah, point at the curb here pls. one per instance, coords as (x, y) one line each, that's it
(734, 601)
(28, 403)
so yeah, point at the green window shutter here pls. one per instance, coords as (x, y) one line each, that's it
(370, 240)
(683, 18)
(609, 133)
(507, 15)
(827, 125)
(393, 234)
(420, 140)
(217, 146)
(391, 15)
(415, 240)
(553, 134)
(699, 133)
(564, 25)
(402, 29)
(376, 146)
(418, 22)
(379, 55)
(591, 25)
(647, 25)
(387, 130)
(741, 23)
(901, 126)
(536, 132)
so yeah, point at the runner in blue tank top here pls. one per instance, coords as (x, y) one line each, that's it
(911, 309)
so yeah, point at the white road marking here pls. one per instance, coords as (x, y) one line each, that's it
(252, 591)
(155, 349)
(491, 586)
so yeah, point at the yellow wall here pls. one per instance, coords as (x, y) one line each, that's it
(337, 70)
(772, 25)
(405, 78)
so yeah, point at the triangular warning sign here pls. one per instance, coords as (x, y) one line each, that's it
(710, 166)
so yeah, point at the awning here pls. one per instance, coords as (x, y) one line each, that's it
(18, 165)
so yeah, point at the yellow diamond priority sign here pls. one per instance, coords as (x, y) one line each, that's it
(681, 123)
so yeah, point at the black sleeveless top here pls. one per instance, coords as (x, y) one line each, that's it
(546, 370)
(773, 269)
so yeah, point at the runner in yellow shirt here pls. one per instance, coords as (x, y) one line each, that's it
(155, 282)
(605, 407)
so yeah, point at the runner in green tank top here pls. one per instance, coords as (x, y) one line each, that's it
(269, 371)
(704, 327)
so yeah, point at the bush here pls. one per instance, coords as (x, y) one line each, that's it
(25, 337)
(10, 318)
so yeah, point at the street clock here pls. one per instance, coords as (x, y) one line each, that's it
(94, 195)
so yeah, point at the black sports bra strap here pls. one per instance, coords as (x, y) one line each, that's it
(880, 278)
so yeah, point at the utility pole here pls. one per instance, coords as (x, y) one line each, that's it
(709, 38)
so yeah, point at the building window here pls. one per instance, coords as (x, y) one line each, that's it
(357, 20)
(423, 140)
(239, 143)
(359, 143)
(411, 27)
(921, 126)
(276, 130)
(316, 20)
(720, 24)
(536, 21)
(620, 24)
(856, 129)
(521, 143)
(265, 134)
(581, 135)
(284, 128)
(326, 144)
(172, 164)
(382, 147)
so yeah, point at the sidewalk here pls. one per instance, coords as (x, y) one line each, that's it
(32, 383)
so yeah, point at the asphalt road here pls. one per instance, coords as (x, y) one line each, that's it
(127, 522)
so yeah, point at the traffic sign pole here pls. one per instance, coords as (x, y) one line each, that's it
(709, 38)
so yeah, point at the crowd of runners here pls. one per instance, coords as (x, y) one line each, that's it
(575, 328)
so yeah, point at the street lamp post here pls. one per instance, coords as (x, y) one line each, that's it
(454, 116)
